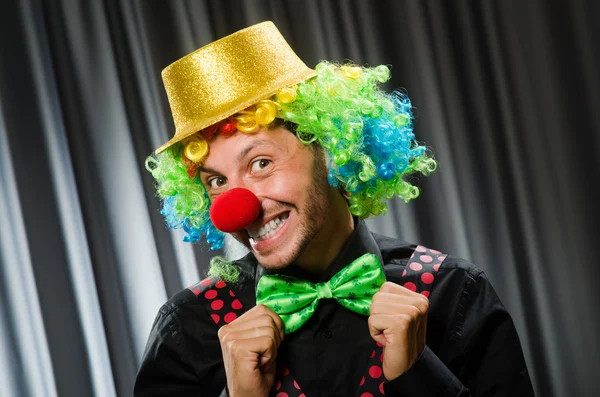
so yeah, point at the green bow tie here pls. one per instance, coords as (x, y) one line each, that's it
(295, 300)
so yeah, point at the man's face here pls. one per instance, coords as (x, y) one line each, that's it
(290, 181)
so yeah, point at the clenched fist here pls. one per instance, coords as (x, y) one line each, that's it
(398, 321)
(249, 346)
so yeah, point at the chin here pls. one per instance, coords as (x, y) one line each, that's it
(273, 259)
(276, 259)
(282, 248)
(273, 267)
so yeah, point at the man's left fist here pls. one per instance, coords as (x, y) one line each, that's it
(398, 321)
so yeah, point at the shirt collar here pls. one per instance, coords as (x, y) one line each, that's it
(360, 242)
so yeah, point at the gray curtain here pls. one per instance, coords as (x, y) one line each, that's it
(506, 94)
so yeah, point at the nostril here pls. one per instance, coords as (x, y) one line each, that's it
(234, 210)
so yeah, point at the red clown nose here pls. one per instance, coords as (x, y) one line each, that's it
(235, 209)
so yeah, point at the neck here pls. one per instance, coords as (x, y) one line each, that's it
(323, 250)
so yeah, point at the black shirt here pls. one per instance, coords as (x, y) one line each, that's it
(472, 346)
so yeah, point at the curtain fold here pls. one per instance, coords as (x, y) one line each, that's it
(24, 342)
(77, 255)
(505, 94)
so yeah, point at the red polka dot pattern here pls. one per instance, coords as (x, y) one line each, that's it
(418, 276)
(223, 306)
(423, 265)
(375, 371)
(217, 304)
(285, 384)
(229, 317)
(206, 282)
(221, 302)
(236, 304)
(427, 278)
(220, 284)
(370, 383)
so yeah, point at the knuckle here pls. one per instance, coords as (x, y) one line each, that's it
(272, 341)
(226, 339)
(370, 324)
(274, 331)
(424, 304)
(233, 346)
(279, 322)
(415, 312)
(401, 322)
(263, 331)
(407, 320)
(276, 322)
(376, 298)
(421, 303)
(222, 332)
(263, 310)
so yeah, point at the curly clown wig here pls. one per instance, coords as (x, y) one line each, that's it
(366, 133)
(252, 80)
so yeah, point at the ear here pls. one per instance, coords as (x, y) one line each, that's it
(342, 190)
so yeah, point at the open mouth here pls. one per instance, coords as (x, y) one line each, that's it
(268, 229)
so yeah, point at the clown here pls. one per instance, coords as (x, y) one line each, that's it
(289, 161)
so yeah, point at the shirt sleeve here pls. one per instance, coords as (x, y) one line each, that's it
(427, 377)
(482, 354)
(182, 356)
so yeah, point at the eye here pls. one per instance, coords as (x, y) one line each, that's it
(217, 182)
(260, 164)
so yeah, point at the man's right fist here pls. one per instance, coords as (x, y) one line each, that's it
(249, 346)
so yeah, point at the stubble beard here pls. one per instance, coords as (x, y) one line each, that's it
(315, 206)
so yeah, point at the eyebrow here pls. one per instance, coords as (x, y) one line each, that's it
(240, 156)
(208, 170)
(251, 147)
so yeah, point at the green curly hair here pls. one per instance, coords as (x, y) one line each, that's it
(366, 132)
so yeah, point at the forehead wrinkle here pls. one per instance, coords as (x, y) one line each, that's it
(243, 153)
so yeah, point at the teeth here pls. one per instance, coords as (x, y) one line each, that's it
(268, 229)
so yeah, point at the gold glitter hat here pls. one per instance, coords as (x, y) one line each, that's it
(228, 75)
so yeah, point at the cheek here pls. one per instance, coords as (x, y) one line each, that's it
(291, 187)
